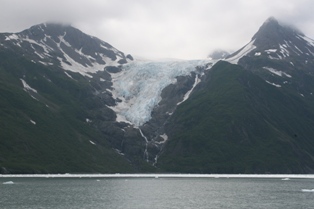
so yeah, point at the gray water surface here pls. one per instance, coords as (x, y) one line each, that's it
(146, 193)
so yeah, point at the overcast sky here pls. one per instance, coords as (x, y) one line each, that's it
(184, 29)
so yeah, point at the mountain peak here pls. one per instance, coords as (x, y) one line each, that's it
(276, 40)
(273, 32)
(271, 20)
(65, 46)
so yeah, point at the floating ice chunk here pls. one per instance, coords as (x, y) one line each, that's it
(8, 182)
(307, 190)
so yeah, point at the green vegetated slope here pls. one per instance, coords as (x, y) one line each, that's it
(46, 131)
(238, 123)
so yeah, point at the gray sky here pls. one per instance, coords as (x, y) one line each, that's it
(184, 29)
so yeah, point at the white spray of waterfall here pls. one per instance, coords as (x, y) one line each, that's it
(146, 151)
(156, 160)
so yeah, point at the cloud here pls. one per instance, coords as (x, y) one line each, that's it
(155, 29)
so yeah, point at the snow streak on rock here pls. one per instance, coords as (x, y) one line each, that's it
(139, 85)
(234, 59)
(27, 87)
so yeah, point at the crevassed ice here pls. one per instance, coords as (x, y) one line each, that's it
(139, 86)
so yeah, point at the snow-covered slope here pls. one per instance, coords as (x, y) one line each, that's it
(65, 46)
(277, 41)
(139, 85)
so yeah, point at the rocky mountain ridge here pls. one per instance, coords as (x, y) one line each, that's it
(252, 115)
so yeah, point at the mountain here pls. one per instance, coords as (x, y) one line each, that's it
(74, 103)
(252, 112)
(51, 79)
(52, 44)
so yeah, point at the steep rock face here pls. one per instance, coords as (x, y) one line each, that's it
(251, 116)
(277, 42)
(47, 122)
(238, 123)
(66, 76)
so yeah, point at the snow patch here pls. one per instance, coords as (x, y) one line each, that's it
(68, 75)
(277, 72)
(244, 51)
(27, 87)
(277, 85)
(299, 49)
(284, 51)
(11, 37)
(187, 95)
(119, 152)
(273, 58)
(257, 54)
(164, 137)
(309, 41)
(93, 143)
(268, 51)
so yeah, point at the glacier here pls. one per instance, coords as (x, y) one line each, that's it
(139, 85)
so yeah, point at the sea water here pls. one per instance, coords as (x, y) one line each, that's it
(154, 191)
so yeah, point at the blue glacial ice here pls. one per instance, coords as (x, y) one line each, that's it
(140, 83)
